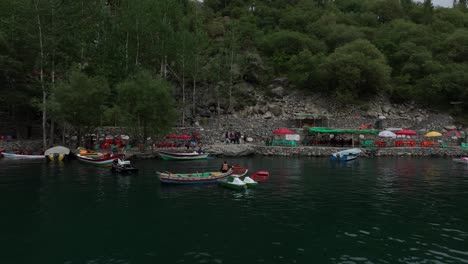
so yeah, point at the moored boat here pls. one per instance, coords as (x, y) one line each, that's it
(98, 159)
(461, 160)
(9, 155)
(233, 183)
(346, 155)
(57, 153)
(123, 166)
(192, 178)
(260, 176)
(182, 155)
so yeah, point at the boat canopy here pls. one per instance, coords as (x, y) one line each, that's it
(58, 149)
(341, 131)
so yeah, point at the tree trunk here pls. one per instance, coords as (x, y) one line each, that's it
(126, 53)
(230, 80)
(41, 65)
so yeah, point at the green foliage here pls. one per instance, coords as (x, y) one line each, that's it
(355, 71)
(79, 100)
(346, 48)
(146, 103)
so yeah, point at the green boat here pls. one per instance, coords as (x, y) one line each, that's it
(233, 182)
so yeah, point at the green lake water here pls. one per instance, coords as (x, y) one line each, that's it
(311, 210)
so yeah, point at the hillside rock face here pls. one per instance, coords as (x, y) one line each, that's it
(280, 109)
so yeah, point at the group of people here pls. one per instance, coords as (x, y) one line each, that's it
(234, 137)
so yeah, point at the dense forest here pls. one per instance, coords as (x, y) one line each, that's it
(85, 63)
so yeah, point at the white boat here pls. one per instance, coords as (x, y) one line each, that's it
(346, 155)
(182, 155)
(15, 156)
(233, 183)
(461, 160)
(250, 182)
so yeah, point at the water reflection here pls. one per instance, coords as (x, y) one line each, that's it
(379, 210)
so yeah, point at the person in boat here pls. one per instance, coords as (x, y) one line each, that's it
(224, 167)
(199, 151)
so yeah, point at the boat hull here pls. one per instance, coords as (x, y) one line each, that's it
(98, 161)
(461, 160)
(192, 178)
(15, 156)
(182, 156)
(260, 176)
(343, 158)
(232, 186)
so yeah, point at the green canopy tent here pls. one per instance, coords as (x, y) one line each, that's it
(327, 130)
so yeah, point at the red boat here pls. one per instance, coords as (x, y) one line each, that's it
(260, 176)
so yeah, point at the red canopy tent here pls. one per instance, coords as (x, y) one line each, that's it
(283, 131)
(406, 132)
(453, 133)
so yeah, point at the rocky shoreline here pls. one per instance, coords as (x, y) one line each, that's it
(242, 150)
(248, 149)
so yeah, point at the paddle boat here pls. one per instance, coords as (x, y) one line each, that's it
(57, 153)
(16, 156)
(461, 160)
(123, 166)
(182, 155)
(192, 178)
(233, 183)
(250, 182)
(260, 176)
(346, 155)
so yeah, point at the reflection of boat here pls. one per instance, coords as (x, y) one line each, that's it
(7, 155)
(260, 176)
(123, 166)
(182, 155)
(192, 178)
(98, 159)
(233, 183)
(57, 153)
(461, 160)
(346, 155)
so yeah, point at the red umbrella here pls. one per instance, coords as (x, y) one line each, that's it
(406, 132)
(185, 137)
(453, 133)
(282, 131)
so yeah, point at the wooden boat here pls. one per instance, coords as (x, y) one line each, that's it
(98, 159)
(182, 155)
(346, 155)
(57, 153)
(461, 160)
(8, 155)
(192, 178)
(239, 171)
(260, 176)
(233, 183)
(123, 166)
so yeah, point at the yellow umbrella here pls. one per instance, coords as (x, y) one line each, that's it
(433, 134)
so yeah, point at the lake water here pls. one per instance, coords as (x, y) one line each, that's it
(379, 210)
